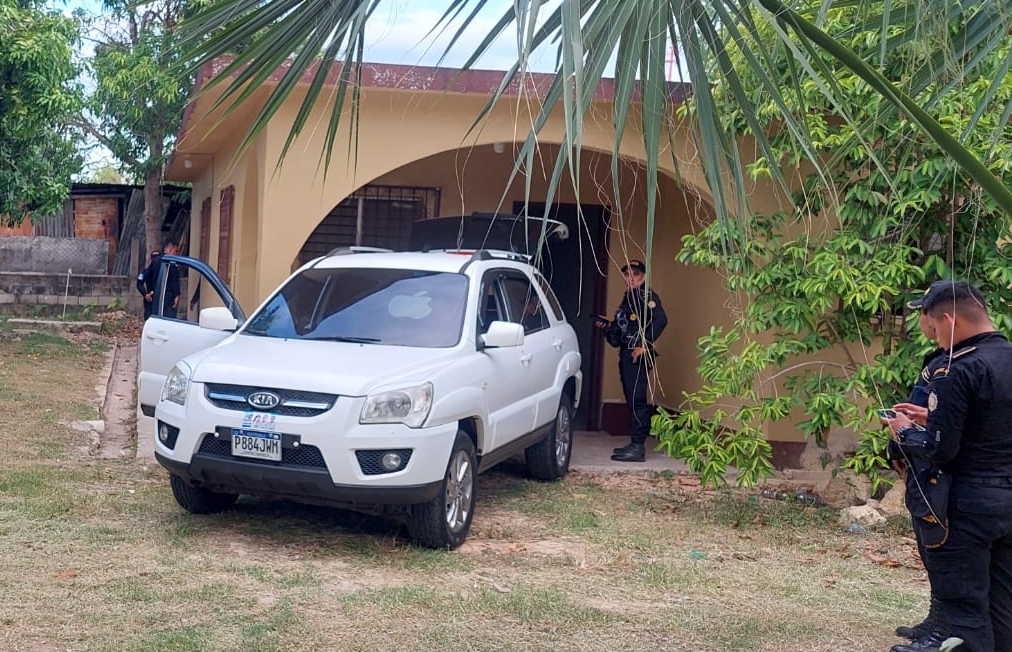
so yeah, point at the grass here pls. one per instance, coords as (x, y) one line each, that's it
(98, 557)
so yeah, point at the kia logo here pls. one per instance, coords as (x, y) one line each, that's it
(263, 400)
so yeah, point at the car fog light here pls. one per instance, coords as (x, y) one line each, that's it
(391, 461)
(163, 433)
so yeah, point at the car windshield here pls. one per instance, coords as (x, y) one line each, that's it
(395, 307)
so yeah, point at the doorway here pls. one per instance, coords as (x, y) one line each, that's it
(577, 270)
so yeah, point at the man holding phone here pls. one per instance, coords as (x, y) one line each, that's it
(917, 473)
(638, 322)
(969, 444)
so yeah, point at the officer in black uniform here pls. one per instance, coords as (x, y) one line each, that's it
(969, 440)
(918, 474)
(147, 280)
(638, 322)
(147, 284)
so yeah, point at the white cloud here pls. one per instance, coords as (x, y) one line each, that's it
(403, 36)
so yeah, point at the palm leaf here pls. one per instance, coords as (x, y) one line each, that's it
(304, 37)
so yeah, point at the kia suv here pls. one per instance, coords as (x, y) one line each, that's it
(373, 380)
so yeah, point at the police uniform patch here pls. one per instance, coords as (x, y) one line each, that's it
(932, 401)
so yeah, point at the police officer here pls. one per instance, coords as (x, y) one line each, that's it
(918, 473)
(147, 280)
(969, 441)
(638, 322)
(147, 283)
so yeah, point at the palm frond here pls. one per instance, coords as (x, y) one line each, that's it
(285, 43)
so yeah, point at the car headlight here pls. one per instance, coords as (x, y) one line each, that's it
(177, 384)
(409, 406)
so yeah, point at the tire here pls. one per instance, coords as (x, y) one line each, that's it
(445, 521)
(549, 458)
(198, 500)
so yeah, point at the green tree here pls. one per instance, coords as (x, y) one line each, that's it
(137, 104)
(37, 100)
(832, 275)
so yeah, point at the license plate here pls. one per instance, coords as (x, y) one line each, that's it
(259, 445)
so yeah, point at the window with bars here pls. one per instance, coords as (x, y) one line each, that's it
(372, 216)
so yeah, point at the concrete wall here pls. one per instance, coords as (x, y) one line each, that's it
(53, 255)
(29, 292)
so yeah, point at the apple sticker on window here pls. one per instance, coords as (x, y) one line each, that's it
(416, 306)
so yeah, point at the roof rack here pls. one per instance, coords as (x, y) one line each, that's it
(358, 249)
(500, 254)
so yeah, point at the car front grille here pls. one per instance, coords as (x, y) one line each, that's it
(294, 403)
(302, 455)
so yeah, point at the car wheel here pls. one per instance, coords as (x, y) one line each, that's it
(549, 458)
(445, 521)
(198, 500)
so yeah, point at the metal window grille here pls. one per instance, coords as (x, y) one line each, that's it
(373, 216)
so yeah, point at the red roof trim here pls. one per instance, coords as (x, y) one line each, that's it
(430, 79)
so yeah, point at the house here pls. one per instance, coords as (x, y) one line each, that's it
(256, 220)
(90, 231)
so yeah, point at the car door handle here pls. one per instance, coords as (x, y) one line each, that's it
(526, 358)
(557, 344)
(158, 337)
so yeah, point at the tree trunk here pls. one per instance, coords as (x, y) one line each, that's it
(154, 214)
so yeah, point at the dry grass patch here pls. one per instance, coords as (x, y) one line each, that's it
(98, 557)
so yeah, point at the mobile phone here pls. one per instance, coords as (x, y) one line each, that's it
(598, 319)
(886, 413)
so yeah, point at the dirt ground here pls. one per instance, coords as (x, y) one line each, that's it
(619, 561)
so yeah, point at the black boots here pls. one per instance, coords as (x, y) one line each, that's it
(930, 643)
(632, 452)
(933, 622)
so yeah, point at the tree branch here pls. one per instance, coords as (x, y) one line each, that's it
(98, 135)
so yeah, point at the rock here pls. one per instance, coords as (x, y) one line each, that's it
(893, 503)
(861, 515)
(844, 489)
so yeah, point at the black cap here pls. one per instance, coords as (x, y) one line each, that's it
(946, 291)
(638, 265)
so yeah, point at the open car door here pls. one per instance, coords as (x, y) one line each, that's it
(186, 287)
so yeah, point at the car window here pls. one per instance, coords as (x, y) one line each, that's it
(553, 301)
(183, 290)
(491, 307)
(524, 305)
(395, 307)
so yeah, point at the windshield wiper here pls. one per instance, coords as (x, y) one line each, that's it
(343, 338)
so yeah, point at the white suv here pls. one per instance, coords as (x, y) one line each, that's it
(369, 379)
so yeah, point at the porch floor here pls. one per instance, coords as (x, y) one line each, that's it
(592, 452)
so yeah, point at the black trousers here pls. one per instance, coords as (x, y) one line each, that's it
(913, 493)
(972, 570)
(634, 386)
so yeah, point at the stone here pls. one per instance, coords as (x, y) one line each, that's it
(894, 502)
(844, 489)
(862, 515)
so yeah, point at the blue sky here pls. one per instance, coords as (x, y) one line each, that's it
(398, 33)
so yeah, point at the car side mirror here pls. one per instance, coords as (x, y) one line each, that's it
(218, 318)
(501, 334)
